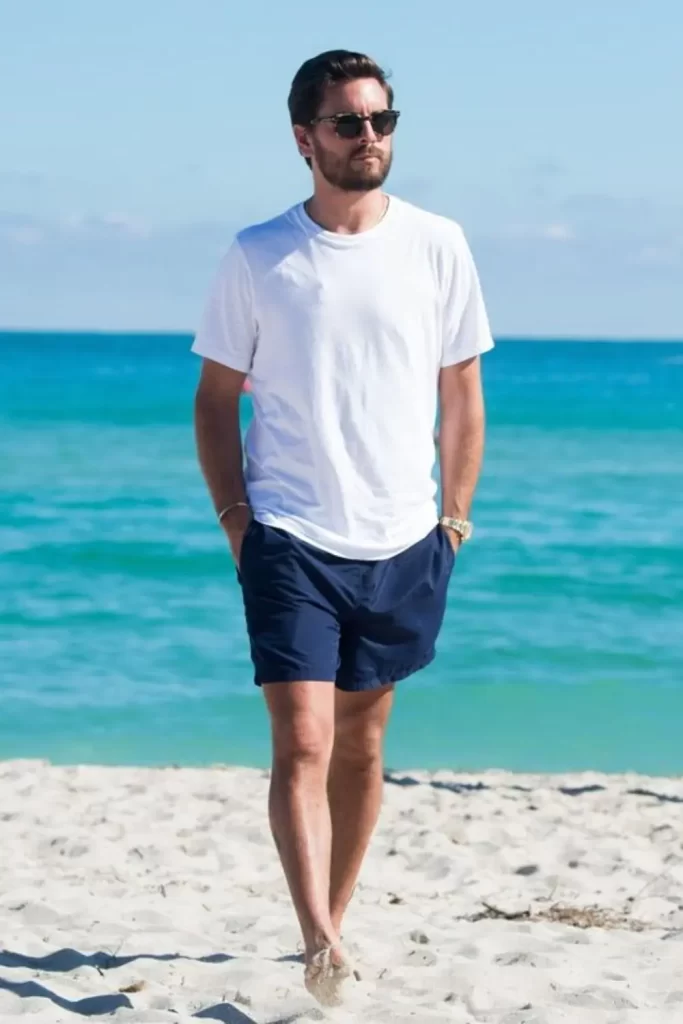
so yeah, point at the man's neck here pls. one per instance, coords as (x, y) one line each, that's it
(347, 213)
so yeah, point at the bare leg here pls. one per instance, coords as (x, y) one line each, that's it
(302, 721)
(355, 787)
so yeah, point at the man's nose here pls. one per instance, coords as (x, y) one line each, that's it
(368, 133)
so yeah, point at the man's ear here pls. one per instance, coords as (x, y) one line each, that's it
(303, 140)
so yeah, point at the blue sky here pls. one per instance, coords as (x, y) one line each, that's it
(138, 136)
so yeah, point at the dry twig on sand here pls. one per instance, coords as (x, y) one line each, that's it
(577, 917)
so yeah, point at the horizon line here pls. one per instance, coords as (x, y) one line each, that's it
(151, 332)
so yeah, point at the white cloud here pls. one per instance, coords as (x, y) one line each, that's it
(558, 232)
(74, 228)
(117, 224)
(553, 232)
(126, 224)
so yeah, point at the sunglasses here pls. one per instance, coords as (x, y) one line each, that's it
(350, 126)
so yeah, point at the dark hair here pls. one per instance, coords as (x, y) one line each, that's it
(329, 68)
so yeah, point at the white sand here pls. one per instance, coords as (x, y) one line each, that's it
(165, 883)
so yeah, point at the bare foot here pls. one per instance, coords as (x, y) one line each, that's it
(325, 975)
(353, 956)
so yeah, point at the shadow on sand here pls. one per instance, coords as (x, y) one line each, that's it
(393, 779)
(65, 960)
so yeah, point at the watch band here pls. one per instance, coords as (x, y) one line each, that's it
(463, 527)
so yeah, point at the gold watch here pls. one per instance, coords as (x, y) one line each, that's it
(463, 527)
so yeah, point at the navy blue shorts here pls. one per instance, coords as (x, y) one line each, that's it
(359, 624)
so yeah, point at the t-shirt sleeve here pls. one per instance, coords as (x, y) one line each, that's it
(227, 329)
(466, 326)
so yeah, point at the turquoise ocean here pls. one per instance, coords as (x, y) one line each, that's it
(121, 630)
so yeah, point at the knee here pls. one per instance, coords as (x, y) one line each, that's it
(360, 747)
(305, 741)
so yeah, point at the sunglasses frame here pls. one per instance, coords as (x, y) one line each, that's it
(359, 119)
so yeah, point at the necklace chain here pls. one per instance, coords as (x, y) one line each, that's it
(374, 225)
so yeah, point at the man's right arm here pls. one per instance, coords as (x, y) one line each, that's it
(226, 339)
(219, 446)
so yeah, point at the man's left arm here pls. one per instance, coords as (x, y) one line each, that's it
(461, 438)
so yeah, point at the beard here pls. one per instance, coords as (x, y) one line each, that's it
(350, 176)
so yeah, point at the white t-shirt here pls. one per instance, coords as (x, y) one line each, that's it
(343, 337)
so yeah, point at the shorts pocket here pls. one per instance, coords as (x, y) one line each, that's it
(245, 541)
(450, 550)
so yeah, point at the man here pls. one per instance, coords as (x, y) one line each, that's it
(353, 314)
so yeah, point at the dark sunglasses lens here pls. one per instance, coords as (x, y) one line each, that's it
(349, 126)
(384, 122)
